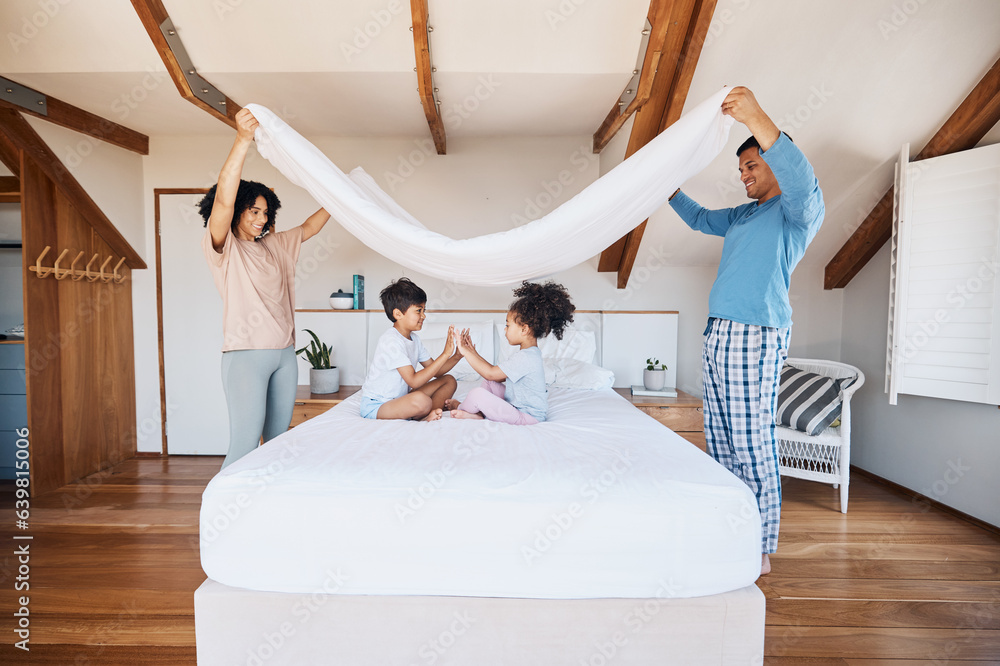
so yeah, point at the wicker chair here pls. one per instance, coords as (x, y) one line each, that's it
(825, 457)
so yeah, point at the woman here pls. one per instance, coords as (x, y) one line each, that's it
(254, 270)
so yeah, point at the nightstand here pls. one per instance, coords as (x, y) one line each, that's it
(683, 414)
(309, 404)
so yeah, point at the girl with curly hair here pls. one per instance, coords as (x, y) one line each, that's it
(254, 269)
(514, 391)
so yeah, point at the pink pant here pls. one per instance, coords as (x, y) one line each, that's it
(488, 400)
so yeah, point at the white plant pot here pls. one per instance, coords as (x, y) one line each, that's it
(654, 380)
(324, 381)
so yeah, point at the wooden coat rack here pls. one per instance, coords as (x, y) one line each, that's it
(75, 273)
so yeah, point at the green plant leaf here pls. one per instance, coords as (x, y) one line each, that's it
(317, 353)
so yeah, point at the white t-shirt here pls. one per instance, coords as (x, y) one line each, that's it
(384, 383)
(525, 384)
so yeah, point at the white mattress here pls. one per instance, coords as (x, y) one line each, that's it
(599, 501)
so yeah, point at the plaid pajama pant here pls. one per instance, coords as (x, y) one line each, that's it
(741, 365)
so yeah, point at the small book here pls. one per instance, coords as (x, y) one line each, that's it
(359, 292)
(666, 392)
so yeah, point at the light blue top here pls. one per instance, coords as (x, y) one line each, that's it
(763, 242)
(525, 384)
(384, 383)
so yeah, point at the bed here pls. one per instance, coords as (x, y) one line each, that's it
(583, 519)
(598, 501)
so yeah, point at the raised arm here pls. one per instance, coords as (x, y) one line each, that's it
(221, 219)
(801, 197)
(314, 224)
(699, 218)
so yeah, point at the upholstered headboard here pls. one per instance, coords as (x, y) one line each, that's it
(622, 340)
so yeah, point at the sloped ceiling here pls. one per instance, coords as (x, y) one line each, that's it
(850, 81)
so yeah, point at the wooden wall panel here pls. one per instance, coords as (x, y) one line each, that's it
(115, 355)
(86, 395)
(43, 360)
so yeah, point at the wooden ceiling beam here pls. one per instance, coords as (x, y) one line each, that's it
(618, 116)
(152, 13)
(71, 117)
(425, 79)
(31, 146)
(966, 127)
(688, 22)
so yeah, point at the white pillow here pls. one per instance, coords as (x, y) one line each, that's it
(578, 345)
(433, 337)
(571, 373)
(575, 344)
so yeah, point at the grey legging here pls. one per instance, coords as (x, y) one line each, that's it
(260, 393)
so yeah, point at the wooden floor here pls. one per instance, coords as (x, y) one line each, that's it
(114, 564)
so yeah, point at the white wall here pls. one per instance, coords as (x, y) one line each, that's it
(112, 176)
(946, 450)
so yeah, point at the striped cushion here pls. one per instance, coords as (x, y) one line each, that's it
(809, 402)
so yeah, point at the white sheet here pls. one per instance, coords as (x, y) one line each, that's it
(599, 501)
(582, 227)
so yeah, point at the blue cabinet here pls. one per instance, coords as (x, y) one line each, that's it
(13, 404)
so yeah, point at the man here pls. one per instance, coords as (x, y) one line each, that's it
(746, 341)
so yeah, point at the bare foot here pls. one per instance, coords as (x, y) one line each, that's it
(765, 564)
(451, 404)
(462, 414)
(433, 416)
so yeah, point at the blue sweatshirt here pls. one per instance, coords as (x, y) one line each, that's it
(763, 242)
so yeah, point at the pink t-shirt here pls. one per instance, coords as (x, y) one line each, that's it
(257, 283)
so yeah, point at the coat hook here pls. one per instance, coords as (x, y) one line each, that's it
(105, 278)
(119, 278)
(91, 276)
(75, 274)
(55, 267)
(42, 271)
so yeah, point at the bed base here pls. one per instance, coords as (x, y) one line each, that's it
(238, 626)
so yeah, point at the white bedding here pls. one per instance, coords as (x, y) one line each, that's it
(599, 501)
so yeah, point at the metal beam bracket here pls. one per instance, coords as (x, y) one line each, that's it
(24, 97)
(632, 87)
(430, 59)
(200, 88)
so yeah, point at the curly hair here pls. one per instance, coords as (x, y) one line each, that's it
(400, 295)
(545, 308)
(246, 196)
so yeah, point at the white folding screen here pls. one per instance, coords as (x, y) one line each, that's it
(944, 295)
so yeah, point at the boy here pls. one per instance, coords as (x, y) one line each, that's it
(396, 386)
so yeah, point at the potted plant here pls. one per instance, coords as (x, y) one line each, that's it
(655, 375)
(323, 377)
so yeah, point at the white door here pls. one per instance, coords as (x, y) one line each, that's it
(197, 421)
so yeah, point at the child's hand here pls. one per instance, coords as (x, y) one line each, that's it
(465, 345)
(450, 344)
(458, 342)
